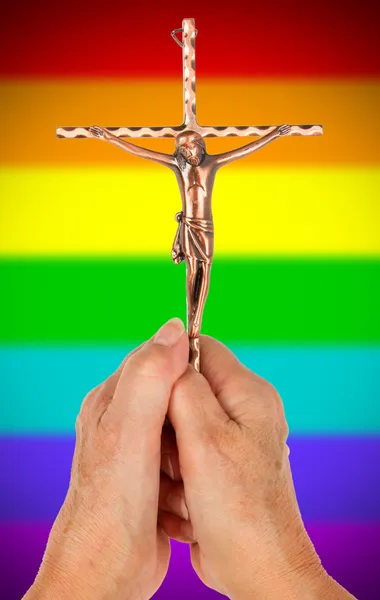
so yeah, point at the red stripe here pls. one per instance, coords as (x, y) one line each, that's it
(128, 39)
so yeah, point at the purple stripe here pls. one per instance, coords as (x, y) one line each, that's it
(349, 552)
(336, 479)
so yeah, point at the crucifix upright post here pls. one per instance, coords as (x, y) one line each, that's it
(195, 170)
(190, 119)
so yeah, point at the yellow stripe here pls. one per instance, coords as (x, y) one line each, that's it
(108, 211)
(30, 111)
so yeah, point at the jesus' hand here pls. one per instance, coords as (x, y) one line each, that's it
(100, 132)
(283, 130)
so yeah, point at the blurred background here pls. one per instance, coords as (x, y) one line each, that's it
(86, 233)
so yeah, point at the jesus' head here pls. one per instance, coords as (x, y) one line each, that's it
(190, 147)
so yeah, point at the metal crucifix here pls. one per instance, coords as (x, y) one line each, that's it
(195, 170)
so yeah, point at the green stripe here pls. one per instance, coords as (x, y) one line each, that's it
(256, 300)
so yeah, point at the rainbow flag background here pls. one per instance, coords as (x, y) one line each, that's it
(86, 234)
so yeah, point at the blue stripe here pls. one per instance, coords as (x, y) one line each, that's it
(336, 479)
(332, 390)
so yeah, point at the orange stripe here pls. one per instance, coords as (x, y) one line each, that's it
(30, 112)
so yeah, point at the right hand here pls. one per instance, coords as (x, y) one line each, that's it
(246, 532)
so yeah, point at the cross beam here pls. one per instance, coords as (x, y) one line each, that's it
(190, 119)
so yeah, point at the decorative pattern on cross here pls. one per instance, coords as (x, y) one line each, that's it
(190, 119)
(195, 170)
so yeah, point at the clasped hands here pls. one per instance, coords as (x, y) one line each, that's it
(218, 479)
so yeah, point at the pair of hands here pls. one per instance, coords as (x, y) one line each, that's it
(219, 479)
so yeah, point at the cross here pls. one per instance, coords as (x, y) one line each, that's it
(195, 170)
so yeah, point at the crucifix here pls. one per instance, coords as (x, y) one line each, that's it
(195, 171)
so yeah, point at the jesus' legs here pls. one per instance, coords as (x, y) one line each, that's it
(197, 285)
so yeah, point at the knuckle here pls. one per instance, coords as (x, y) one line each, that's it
(152, 362)
(269, 413)
(276, 411)
(271, 396)
(86, 407)
(80, 422)
(90, 397)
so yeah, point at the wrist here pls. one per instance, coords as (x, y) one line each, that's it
(89, 581)
(313, 584)
(50, 587)
(55, 583)
(290, 571)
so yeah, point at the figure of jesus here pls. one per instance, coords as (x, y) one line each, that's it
(194, 241)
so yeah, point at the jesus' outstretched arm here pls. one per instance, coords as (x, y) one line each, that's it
(160, 157)
(227, 157)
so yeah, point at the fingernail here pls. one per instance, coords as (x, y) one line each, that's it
(177, 504)
(167, 465)
(169, 334)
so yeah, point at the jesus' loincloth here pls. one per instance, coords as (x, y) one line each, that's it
(194, 239)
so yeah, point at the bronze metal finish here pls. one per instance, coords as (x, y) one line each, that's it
(195, 171)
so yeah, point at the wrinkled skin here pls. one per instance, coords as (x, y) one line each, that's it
(231, 468)
(105, 542)
(218, 478)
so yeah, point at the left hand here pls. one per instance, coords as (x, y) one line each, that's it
(239, 510)
(105, 542)
(100, 132)
(283, 130)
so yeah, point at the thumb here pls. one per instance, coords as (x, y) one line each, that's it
(194, 411)
(143, 390)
